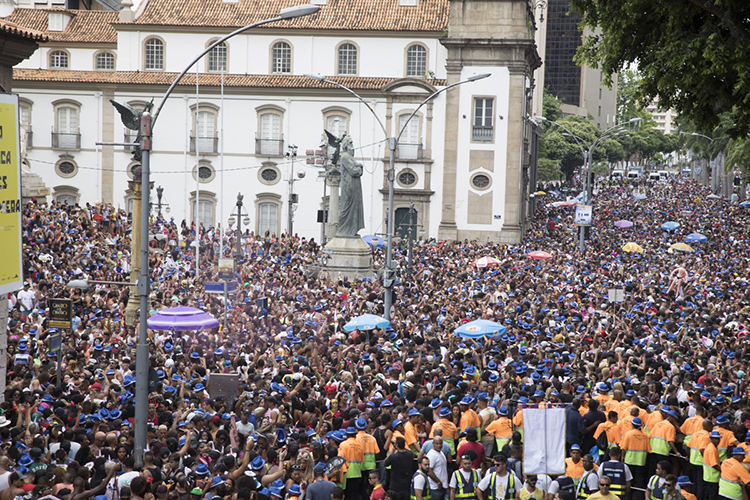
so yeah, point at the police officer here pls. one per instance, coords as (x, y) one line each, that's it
(420, 485)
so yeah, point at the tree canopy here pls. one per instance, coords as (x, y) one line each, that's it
(691, 54)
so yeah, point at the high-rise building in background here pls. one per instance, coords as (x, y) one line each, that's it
(580, 88)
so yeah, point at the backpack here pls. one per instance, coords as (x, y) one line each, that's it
(601, 442)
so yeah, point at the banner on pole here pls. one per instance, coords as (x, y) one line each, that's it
(11, 265)
(544, 446)
(583, 215)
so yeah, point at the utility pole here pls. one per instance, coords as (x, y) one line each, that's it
(410, 262)
(291, 154)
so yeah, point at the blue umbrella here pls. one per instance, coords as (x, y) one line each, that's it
(374, 241)
(366, 322)
(745, 204)
(670, 226)
(479, 328)
(695, 238)
(639, 197)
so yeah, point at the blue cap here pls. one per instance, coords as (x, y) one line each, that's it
(257, 463)
(201, 470)
(684, 481)
(360, 423)
(637, 422)
(722, 419)
(444, 412)
(738, 451)
(398, 422)
(714, 435)
(414, 412)
(575, 447)
(503, 410)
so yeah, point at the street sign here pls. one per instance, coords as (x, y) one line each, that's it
(60, 313)
(226, 269)
(219, 287)
(55, 341)
(224, 384)
(616, 295)
(583, 215)
(393, 310)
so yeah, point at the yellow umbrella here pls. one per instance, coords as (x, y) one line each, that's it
(540, 193)
(682, 247)
(632, 247)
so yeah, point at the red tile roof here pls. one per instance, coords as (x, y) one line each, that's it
(211, 79)
(85, 26)
(14, 29)
(358, 15)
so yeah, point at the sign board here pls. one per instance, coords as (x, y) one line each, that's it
(226, 269)
(393, 310)
(224, 384)
(60, 313)
(616, 295)
(219, 287)
(55, 342)
(11, 265)
(583, 215)
(697, 169)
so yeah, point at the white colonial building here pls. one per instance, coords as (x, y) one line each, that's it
(229, 126)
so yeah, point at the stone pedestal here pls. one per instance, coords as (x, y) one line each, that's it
(350, 257)
(334, 183)
(32, 186)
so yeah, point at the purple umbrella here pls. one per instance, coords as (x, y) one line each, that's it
(181, 319)
(623, 223)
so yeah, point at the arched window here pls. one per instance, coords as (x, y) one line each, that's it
(416, 60)
(105, 61)
(410, 144)
(268, 217)
(269, 140)
(66, 134)
(281, 58)
(153, 54)
(205, 134)
(347, 59)
(217, 58)
(59, 59)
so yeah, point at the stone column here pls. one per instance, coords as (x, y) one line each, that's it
(108, 152)
(513, 223)
(447, 228)
(135, 247)
(334, 181)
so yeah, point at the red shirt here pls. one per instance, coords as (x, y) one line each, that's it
(378, 493)
(478, 449)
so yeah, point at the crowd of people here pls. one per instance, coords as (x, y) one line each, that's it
(655, 387)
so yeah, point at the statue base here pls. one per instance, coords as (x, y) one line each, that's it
(350, 257)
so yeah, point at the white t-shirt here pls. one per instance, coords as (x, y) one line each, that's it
(4, 481)
(501, 484)
(419, 482)
(27, 299)
(439, 466)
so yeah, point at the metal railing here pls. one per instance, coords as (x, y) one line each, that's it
(482, 133)
(269, 147)
(407, 151)
(29, 139)
(205, 144)
(66, 141)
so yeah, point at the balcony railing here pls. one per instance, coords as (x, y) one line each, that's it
(29, 139)
(407, 151)
(205, 144)
(66, 141)
(269, 147)
(482, 133)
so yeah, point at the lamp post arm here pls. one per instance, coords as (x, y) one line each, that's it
(361, 100)
(428, 99)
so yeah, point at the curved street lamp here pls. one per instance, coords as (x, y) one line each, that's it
(147, 122)
(392, 142)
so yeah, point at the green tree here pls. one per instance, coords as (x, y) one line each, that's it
(547, 170)
(551, 107)
(628, 105)
(691, 55)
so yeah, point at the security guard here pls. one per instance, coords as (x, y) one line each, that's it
(369, 445)
(618, 473)
(734, 476)
(352, 451)
(500, 484)
(501, 428)
(465, 481)
(636, 445)
(420, 483)
(589, 482)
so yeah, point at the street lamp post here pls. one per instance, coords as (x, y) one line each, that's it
(714, 169)
(159, 204)
(147, 122)
(392, 142)
(291, 154)
(240, 215)
(613, 131)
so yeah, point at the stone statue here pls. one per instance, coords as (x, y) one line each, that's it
(351, 205)
(131, 118)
